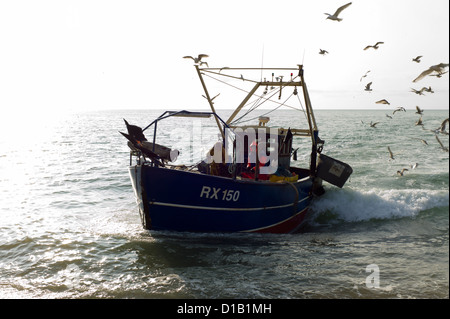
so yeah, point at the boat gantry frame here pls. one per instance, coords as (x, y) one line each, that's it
(293, 82)
(297, 81)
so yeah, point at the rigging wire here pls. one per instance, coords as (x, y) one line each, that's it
(251, 110)
(268, 99)
(251, 119)
(255, 106)
(300, 101)
(240, 89)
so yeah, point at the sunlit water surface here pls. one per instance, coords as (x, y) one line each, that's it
(70, 226)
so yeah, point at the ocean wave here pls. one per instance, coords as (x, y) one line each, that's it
(350, 205)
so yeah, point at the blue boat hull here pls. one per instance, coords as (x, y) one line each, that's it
(178, 200)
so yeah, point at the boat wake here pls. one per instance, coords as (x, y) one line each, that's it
(348, 205)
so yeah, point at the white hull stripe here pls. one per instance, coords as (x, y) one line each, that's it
(225, 208)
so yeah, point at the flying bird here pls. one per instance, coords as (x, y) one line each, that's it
(368, 87)
(391, 155)
(387, 115)
(419, 121)
(363, 76)
(323, 52)
(414, 166)
(445, 149)
(373, 124)
(399, 109)
(419, 110)
(212, 98)
(438, 68)
(400, 173)
(383, 101)
(375, 46)
(338, 11)
(197, 59)
(417, 58)
(441, 129)
(427, 89)
(419, 92)
(419, 139)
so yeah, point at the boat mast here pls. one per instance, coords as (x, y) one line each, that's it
(209, 101)
(309, 112)
(311, 121)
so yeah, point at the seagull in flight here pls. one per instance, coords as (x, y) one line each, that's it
(391, 155)
(419, 121)
(419, 110)
(438, 68)
(197, 59)
(399, 109)
(427, 89)
(445, 149)
(338, 11)
(212, 98)
(363, 76)
(323, 52)
(400, 173)
(419, 139)
(419, 92)
(368, 87)
(383, 101)
(441, 129)
(375, 46)
(373, 124)
(417, 58)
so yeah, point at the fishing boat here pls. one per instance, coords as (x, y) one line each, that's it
(249, 180)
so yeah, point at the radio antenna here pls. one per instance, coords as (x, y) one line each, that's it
(262, 62)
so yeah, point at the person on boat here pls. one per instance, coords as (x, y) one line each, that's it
(216, 159)
(255, 149)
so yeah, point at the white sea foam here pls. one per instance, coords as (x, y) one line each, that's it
(351, 205)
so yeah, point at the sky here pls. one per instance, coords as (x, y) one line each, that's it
(97, 55)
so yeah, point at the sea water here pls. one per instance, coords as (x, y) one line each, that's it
(70, 226)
